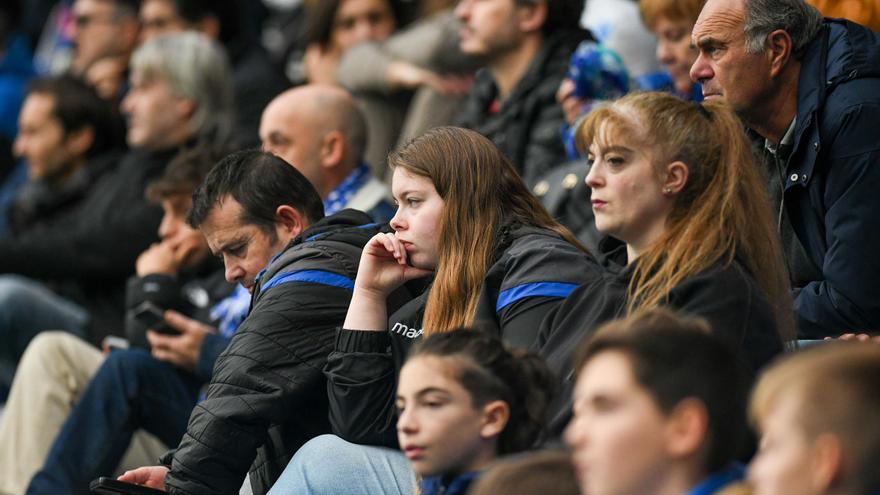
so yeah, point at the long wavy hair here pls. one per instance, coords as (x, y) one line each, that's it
(723, 212)
(481, 191)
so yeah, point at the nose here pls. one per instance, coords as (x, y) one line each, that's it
(574, 435)
(406, 422)
(234, 271)
(664, 54)
(463, 9)
(397, 222)
(168, 227)
(701, 71)
(594, 176)
(19, 145)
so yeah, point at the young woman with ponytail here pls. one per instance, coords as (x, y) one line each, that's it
(677, 184)
(499, 263)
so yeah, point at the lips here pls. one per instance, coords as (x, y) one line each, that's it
(414, 452)
(598, 203)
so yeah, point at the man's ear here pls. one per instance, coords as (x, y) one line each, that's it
(495, 417)
(332, 149)
(532, 17)
(779, 47)
(827, 462)
(289, 221)
(80, 140)
(687, 428)
(675, 178)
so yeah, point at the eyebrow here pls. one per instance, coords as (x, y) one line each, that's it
(404, 193)
(429, 390)
(224, 246)
(707, 41)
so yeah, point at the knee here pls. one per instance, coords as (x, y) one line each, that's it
(48, 350)
(310, 461)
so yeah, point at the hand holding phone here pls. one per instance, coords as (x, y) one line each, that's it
(153, 317)
(109, 486)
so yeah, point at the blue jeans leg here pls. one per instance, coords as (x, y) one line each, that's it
(131, 390)
(27, 308)
(329, 465)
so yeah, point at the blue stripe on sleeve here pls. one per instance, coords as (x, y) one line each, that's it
(536, 289)
(313, 276)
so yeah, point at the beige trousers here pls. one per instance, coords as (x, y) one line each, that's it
(52, 373)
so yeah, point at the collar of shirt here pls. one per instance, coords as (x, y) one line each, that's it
(733, 473)
(339, 197)
(784, 146)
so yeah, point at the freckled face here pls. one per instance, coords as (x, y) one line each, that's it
(626, 196)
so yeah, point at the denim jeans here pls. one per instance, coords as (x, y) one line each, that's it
(329, 465)
(131, 390)
(27, 308)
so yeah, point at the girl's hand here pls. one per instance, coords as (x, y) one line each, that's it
(384, 267)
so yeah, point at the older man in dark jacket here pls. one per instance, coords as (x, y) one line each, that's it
(527, 46)
(267, 394)
(811, 89)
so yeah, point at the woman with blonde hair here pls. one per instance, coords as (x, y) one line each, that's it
(499, 263)
(672, 21)
(678, 185)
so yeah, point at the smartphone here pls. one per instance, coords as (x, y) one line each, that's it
(153, 317)
(109, 486)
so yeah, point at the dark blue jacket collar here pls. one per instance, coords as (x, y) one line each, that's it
(443, 485)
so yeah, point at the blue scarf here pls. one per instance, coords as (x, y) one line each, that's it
(339, 197)
(443, 485)
(733, 473)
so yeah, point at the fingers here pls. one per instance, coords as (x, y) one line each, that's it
(392, 246)
(138, 476)
(181, 323)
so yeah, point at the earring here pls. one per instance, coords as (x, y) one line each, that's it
(667, 190)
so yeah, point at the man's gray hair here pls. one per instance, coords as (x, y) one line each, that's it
(195, 68)
(796, 17)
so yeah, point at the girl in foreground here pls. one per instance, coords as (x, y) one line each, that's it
(462, 400)
(676, 183)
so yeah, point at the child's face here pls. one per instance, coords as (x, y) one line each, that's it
(618, 432)
(438, 428)
(784, 463)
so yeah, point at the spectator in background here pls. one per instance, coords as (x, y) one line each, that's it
(665, 384)
(255, 81)
(526, 45)
(413, 81)
(70, 274)
(16, 69)
(613, 23)
(334, 26)
(101, 28)
(131, 389)
(321, 132)
(154, 386)
(69, 138)
(671, 21)
(810, 89)
(816, 412)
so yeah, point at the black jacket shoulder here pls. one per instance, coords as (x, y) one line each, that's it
(727, 296)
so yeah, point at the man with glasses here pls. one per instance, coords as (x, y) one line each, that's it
(103, 28)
